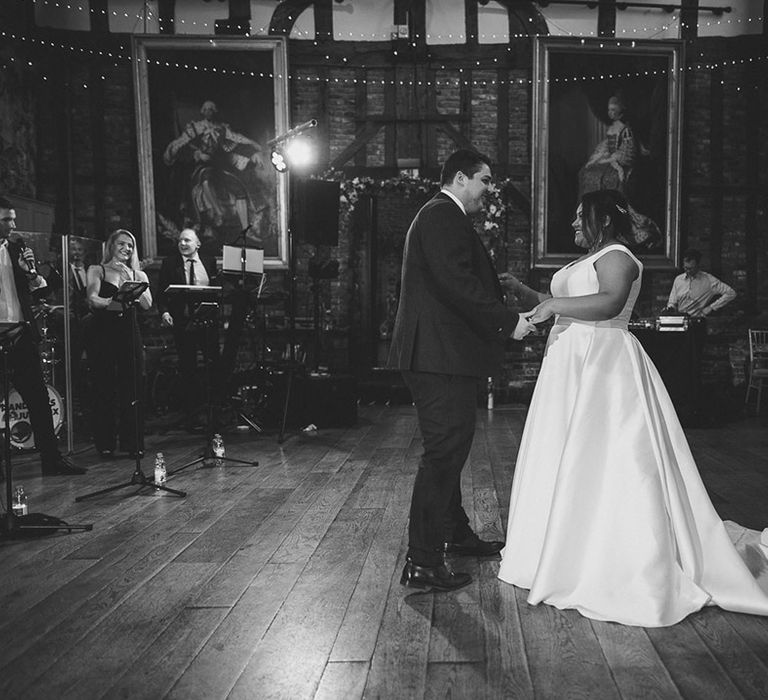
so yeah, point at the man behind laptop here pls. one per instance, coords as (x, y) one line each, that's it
(695, 292)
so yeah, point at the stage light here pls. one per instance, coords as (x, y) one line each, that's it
(289, 151)
(299, 153)
(292, 154)
(278, 160)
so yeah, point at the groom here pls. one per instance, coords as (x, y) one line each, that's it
(450, 330)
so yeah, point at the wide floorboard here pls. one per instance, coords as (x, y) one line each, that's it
(282, 581)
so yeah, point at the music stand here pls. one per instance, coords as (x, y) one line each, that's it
(205, 317)
(243, 261)
(125, 299)
(16, 526)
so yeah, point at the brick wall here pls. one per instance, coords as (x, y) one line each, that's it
(32, 159)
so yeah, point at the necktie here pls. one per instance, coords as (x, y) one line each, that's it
(192, 278)
(79, 278)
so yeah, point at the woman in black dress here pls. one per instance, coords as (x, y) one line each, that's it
(116, 348)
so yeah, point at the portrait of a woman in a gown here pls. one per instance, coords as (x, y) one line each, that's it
(607, 118)
(612, 167)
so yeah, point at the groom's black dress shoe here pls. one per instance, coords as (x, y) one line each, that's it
(474, 547)
(439, 578)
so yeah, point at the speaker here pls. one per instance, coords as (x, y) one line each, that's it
(315, 217)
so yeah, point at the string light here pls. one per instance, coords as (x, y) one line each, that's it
(448, 82)
(386, 36)
(124, 55)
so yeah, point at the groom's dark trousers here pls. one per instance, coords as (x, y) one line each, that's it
(446, 405)
(449, 332)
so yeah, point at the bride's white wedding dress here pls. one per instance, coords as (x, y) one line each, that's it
(608, 513)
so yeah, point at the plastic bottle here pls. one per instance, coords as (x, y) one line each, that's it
(160, 472)
(217, 447)
(19, 505)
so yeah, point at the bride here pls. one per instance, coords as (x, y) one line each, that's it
(608, 514)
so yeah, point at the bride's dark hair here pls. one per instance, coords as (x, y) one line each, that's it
(600, 205)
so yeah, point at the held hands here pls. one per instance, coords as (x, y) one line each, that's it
(541, 312)
(523, 328)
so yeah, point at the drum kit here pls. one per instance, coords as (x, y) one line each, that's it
(22, 437)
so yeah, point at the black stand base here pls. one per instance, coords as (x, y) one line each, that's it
(208, 461)
(16, 527)
(138, 478)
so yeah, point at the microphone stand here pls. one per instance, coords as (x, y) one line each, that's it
(127, 298)
(237, 321)
(238, 314)
(16, 526)
(205, 317)
(292, 362)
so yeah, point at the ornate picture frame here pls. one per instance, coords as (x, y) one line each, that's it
(205, 109)
(607, 115)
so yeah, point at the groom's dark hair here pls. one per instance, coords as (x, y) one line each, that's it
(465, 160)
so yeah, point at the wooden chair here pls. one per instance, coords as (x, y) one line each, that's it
(758, 363)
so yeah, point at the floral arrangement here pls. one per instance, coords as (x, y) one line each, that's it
(351, 190)
(496, 208)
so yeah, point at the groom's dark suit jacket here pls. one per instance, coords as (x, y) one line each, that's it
(451, 318)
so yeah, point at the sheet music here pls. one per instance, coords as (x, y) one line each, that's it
(232, 259)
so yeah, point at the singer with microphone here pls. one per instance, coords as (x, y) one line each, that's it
(19, 278)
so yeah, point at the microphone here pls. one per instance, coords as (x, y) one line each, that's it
(293, 132)
(30, 264)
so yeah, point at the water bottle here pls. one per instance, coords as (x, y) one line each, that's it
(160, 472)
(490, 394)
(217, 447)
(19, 506)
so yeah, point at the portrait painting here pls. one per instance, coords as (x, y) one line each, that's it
(206, 110)
(606, 116)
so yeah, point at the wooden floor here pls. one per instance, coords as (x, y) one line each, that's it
(282, 581)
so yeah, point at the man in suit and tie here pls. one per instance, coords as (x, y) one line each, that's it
(188, 267)
(79, 311)
(78, 280)
(450, 331)
(18, 279)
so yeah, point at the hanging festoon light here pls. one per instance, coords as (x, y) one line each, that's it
(291, 150)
